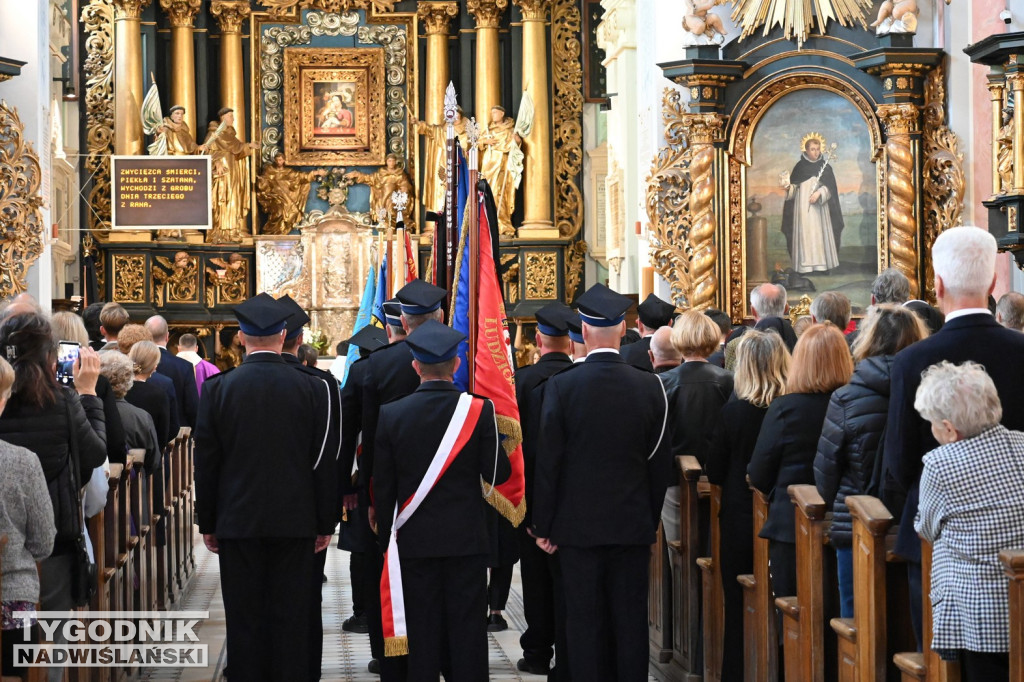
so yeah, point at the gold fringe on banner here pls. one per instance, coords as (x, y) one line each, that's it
(396, 646)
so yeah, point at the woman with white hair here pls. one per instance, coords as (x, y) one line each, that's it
(139, 431)
(971, 508)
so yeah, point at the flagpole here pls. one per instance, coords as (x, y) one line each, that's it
(450, 208)
(473, 244)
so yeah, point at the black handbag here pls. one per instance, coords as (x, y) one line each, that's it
(83, 569)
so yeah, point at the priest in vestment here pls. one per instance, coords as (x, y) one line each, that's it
(230, 190)
(434, 163)
(498, 142)
(812, 220)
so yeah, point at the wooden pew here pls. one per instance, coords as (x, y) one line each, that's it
(863, 638)
(173, 514)
(188, 497)
(761, 662)
(711, 590)
(161, 541)
(1013, 564)
(142, 512)
(659, 608)
(927, 665)
(686, 631)
(803, 615)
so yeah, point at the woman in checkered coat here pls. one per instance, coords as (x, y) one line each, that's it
(971, 508)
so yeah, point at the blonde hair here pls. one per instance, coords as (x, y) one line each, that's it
(145, 356)
(694, 333)
(821, 361)
(131, 335)
(964, 394)
(6, 379)
(69, 327)
(887, 329)
(762, 363)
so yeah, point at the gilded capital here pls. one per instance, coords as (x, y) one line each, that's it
(487, 12)
(182, 13)
(129, 9)
(534, 10)
(899, 119)
(703, 128)
(1015, 81)
(437, 16)
(230, 14)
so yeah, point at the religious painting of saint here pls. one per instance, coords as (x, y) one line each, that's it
(334, 106)
(812, 221)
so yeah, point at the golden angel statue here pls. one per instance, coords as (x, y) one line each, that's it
(282, 193)
(700, 26)
(502, 161)
(178, 280)
(383, 184)
(230, 190)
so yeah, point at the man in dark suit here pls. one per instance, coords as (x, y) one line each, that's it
(433, 447)
(598, 489)
(331, 448)
(964, 263)
(265, 496)
(538, 568)
(388, 376)
(178, 370)
(355, 536)
(652, 315)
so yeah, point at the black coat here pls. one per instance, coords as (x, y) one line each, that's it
(696, 393)
(154, 401)
(784, 456)
(606, 457)
(529, 398)
(166, 385)
(850, 441)
(183, 374)
(389, 376)
(355, 534)
(451, 521)
(260, 466)
(726, 466)
(636, 354)
(908, 437)
(116, 449)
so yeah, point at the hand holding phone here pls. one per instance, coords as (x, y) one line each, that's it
(67, 356)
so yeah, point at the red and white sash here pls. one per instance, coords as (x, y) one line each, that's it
(392, 598)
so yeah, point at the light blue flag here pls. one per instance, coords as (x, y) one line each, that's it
(362, 319)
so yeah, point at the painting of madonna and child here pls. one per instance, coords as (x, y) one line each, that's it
(812, 213)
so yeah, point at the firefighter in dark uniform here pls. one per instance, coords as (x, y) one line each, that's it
(388, 376)
(537, 568)
(442, 542)
(355, 536)
(332, 447)
(266, 496)
(600, 481)
(652, 314)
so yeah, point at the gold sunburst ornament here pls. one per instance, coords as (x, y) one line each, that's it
(796, 16)
(812, 136)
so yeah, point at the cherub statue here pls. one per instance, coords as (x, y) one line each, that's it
(896, 16)
(178, 278)
(701, 27)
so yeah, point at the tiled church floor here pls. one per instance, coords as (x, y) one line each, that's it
(345, 654)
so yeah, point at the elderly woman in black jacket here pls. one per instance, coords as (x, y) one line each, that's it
(851, 436)
(46, 418)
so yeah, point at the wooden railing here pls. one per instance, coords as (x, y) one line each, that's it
(1013, 564)
(711, 590)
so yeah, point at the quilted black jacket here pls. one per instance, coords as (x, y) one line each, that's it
(850, 441)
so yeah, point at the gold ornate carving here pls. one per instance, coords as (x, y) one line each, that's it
(535, 10)
(567, 111)
(437, 16)
(129, 9)
(942, 176)
(575, 257)
(801, 308)
(129, 278)
(177, 280)
(795, 16)
(680, 203)
(486, 12)
(541, 275)
(98, 17)
(230, 14)
(21, 222)
(509, 270)
(181, 12)
(900, 120)
(280, 7)
(228, 281)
